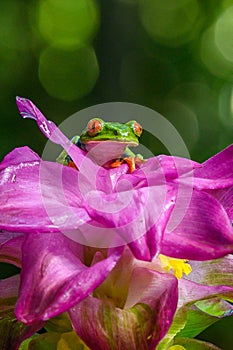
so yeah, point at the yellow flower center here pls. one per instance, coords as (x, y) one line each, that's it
(178, 266)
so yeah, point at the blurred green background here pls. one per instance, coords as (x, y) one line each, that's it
(174, 56)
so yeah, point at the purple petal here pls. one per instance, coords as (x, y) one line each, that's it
(152, 303)
(213, 272)
(50, 130)
(225, 197)
(208, 279)
(203, 184)
(174, 167)
(218, 167)
(53, 279)
(41, 196)
(217, 177)
(191, 292)
(204, 233)
(54, 200)
(18, 156)
(149, 244)
(10, 248)
(29, 110)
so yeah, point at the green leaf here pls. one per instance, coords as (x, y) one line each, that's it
(197, 321)
(12, 332)
(56, 341)
(177, 325)
(215, 307)
(46, 341)
(59, 324)
(211, 299)
(190, 322)
(193, 344)
(70, 341)
(25, 343)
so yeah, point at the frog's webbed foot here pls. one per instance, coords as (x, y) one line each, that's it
(116, 163)
(64, 158)
(131, 161)
(72, 164)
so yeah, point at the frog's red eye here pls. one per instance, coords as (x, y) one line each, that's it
(137, 129)
(94, 127)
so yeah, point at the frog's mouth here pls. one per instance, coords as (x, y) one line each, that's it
(107, 150)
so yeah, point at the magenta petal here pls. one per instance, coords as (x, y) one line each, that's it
(53, 278)
(51, 131)
(218, 167)
(140, 248)
(19, 156)
(21, 180)
(174, 167)
(213, 272)
(225, 197)
(10, 248)
(29, 110)
(41, 195)
(190, 292)
(151, 306)
(204, 233)
(148, 286)
(150, 244)
(203, 184)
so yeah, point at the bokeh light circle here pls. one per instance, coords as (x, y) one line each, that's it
(71, 22)
(170, 22)
(211, 56)
(68, 74)
(225, 104)
(184, 118)
(224, 34)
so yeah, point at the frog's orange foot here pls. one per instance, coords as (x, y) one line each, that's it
(128, 160)
(116, 163)
(72, 165)
(131, 163)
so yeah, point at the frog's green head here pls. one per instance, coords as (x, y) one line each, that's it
(99, 130)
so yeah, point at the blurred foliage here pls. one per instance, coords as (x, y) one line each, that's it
(175, 57)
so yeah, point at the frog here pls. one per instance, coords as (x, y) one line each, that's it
(107, 144)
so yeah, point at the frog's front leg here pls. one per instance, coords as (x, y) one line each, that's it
(131, 161)
(130, 158)
(64, 157)
(134, 161)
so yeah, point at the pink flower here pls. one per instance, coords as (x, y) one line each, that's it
(51, 213)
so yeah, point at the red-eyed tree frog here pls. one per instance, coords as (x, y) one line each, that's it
(107, 144)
